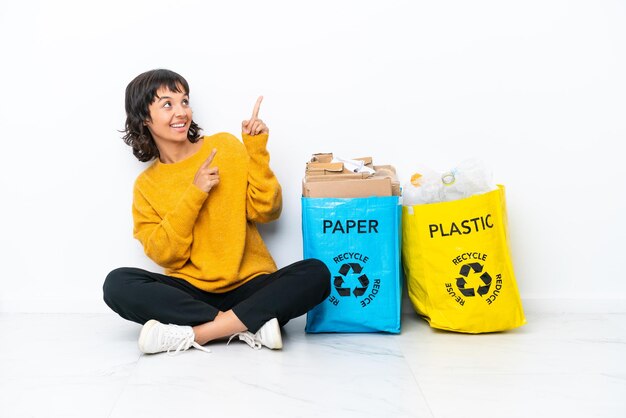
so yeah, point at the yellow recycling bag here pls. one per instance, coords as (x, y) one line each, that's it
(458, 266)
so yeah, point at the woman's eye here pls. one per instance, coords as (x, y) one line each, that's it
(186, 102)
(167, 104)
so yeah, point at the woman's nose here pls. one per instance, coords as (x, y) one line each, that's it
(180, 111)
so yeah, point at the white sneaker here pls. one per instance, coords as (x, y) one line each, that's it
(268, 335)
(156, 337)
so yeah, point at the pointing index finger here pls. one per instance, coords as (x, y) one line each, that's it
(209, 160)
(257, 106)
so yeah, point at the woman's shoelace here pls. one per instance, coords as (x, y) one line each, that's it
(199, 347)
(184, 342)
(248, 338)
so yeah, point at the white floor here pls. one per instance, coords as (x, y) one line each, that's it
(566, 362)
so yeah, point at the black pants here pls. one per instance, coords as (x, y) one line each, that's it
(139, 295)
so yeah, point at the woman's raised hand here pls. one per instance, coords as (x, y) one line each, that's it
(255, 126)
(207, 177)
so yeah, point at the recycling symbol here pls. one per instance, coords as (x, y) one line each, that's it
(476, 268)
(340, 281)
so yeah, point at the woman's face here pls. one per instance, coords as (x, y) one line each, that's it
(170, 116)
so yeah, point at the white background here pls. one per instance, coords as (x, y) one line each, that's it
(536, 89)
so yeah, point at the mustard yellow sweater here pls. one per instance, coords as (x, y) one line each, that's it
(209, 239)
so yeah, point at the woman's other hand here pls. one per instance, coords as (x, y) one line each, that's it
(255, 126)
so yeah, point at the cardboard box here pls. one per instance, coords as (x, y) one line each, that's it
(372, 186)
(323, 178)
(317, 168)
(336, 177)
(389, 171)
(323, 157)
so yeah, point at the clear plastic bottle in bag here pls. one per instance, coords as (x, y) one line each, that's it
(468, 178)
(423, 188)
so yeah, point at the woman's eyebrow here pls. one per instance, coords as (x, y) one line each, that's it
(186, 96)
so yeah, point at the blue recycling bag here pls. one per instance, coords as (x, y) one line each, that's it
(359, 241)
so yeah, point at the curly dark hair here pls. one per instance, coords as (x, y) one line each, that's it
(140, 93)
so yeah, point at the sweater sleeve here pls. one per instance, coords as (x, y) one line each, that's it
(264, 195)
(167, 241)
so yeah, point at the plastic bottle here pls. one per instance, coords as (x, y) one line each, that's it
(424, 187)
(468, 178)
